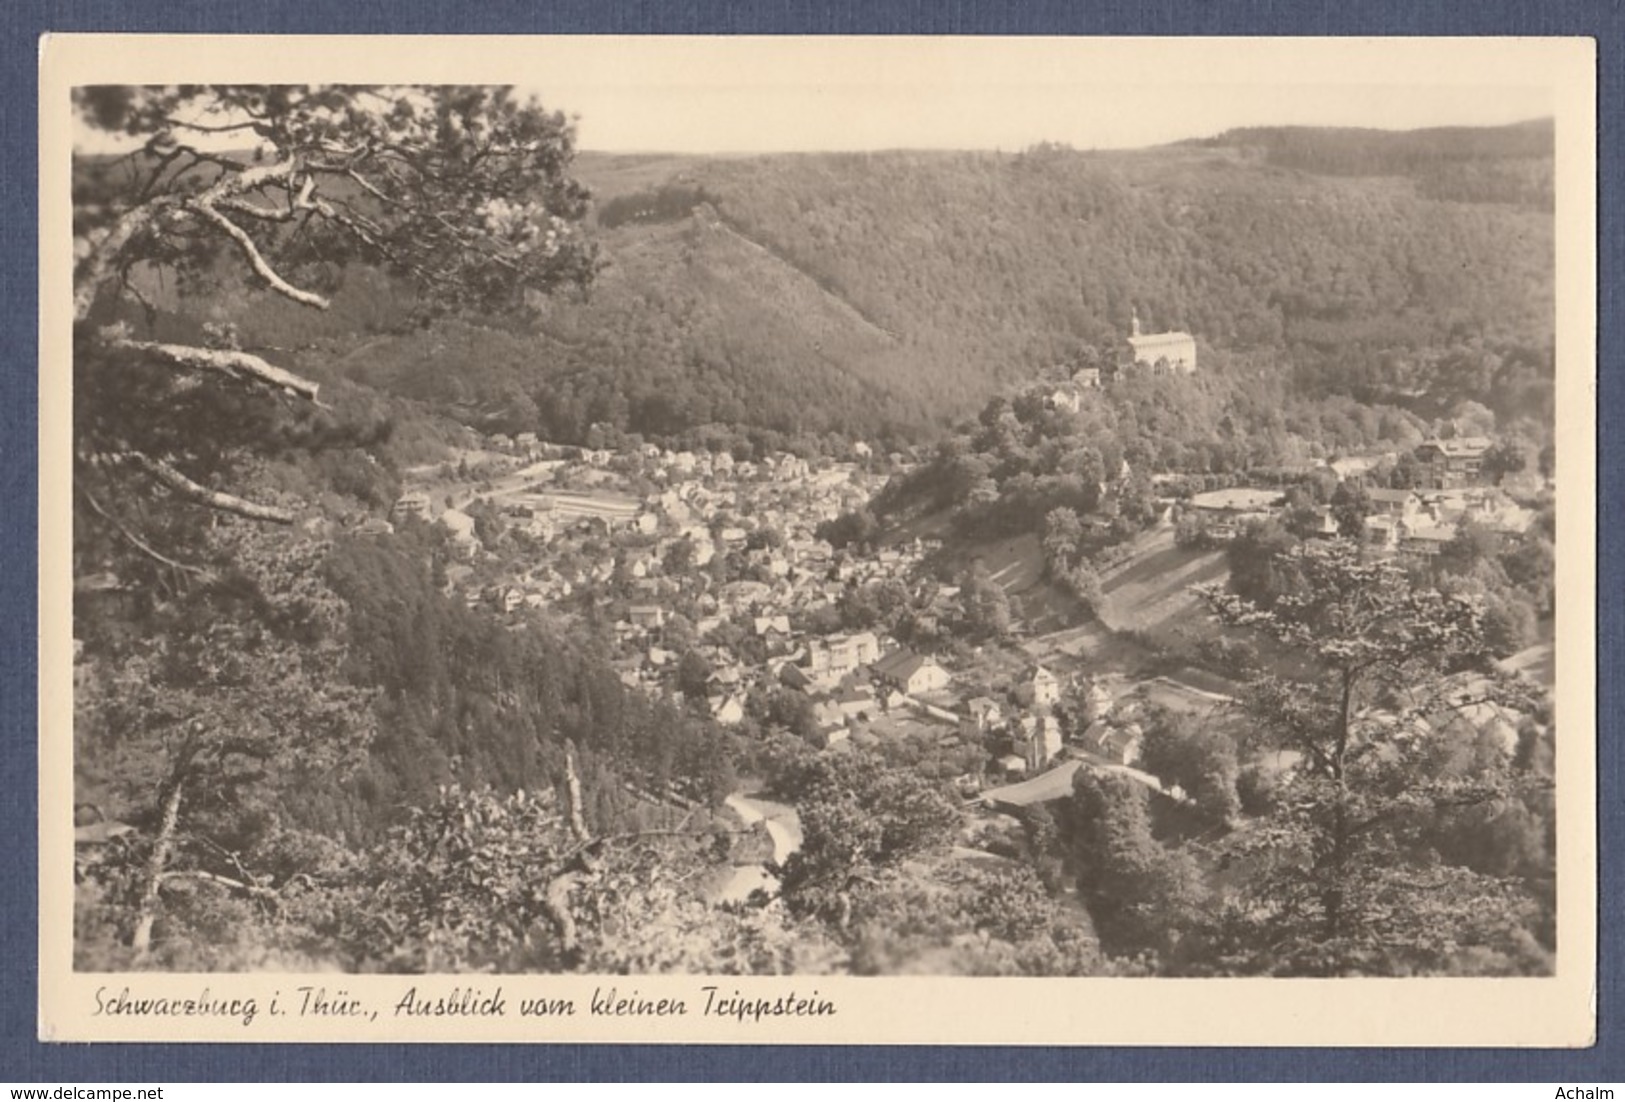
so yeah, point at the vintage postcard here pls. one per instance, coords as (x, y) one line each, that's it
(818, 540)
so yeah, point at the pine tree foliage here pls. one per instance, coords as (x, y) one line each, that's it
(1345, 874)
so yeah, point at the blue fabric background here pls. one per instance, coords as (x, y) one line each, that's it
(23, 1059)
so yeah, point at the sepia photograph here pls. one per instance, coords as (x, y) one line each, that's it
(691, 524)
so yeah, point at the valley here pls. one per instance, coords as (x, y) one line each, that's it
(1043, 563)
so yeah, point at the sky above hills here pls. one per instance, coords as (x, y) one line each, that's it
(752, 95)
(869, 118)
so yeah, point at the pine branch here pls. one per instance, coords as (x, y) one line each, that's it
(103, 262)
(258, 891)
(371, 188)
(241, 366)
(223, 128)
(179, 484)
(140, 545)
(253, 210)
(256, 260)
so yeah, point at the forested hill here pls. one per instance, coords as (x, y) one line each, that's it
(887, 294)
(1505, 164)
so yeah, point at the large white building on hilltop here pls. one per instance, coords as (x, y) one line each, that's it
(1162, 351)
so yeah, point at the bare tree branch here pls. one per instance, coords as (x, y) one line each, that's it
(572, 787)
(251, 253)
(223, 128)
(241, 366)
(556, 897)
(104, 259)
(253, 210)
(147, 908)
(255, 891)
(103, 262)
(214, 499)
(164, 161)
(371, 188)
(248, 179)
(139, 544)
(556, 902)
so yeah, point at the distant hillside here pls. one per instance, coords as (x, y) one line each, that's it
(888, 294)
(1504, 164)
(938, 278)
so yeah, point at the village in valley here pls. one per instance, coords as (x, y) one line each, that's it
(722, 592)
(1063, 562)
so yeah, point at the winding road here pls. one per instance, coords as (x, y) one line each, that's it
(783, 827)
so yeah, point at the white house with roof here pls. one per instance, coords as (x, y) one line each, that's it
(648, 617)
(1324, 523)
(766, 624)
(830, 722)
(1038, 739)
(1383, 532)
(1117, 742)
(1426, 540)
(911, 673)
(839, 655)
(1173, 351)
(1451, 463)
(1394, 503)
(985, 713)
(412, 503)
(1066, 397)
(1225, 512)
(727, 711)
(1046, 687)
(855, 702)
